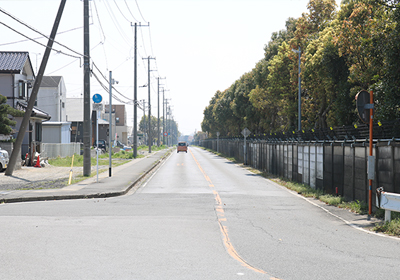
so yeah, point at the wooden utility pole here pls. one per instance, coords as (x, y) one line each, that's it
(135, 101)
(158, 110)
(87, 124)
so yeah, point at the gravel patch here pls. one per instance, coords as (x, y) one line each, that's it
(48, 177)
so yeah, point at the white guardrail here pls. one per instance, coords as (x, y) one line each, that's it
(388, 201)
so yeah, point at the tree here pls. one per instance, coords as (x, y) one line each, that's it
(5, 122)
(144, 126)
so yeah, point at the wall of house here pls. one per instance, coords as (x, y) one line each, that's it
(66, 133)
(51, 134)
(52, 100)
(6, 88)
(48, 101)
(56, 132)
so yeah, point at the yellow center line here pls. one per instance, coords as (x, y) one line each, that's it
(224, 230)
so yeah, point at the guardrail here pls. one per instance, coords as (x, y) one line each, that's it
(388, 201)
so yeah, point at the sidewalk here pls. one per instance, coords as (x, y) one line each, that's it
(122, 179)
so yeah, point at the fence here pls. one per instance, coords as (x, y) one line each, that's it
(336, 167)
(53, 150)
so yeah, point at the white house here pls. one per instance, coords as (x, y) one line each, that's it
(52, 98)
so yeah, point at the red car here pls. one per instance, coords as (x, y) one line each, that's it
(182, 147)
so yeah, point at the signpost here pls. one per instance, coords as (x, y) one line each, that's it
(97, 98)
(245, 132)
(366, 112)
(218, 134)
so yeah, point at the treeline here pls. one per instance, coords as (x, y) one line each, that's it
(342, 52)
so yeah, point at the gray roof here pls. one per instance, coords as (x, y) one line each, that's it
(36, 112)
(50, 81)
(13, 62)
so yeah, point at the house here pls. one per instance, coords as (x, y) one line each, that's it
(16, 81)
(74, 114)
(120, 127)
(52, 98)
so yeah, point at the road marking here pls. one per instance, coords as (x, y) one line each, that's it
(219, 210)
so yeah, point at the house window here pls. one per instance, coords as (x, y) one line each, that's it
(38, 132)
(21, 89)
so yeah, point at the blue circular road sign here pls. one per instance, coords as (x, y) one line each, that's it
(97, 98)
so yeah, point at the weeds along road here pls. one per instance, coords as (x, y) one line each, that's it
(198, 216)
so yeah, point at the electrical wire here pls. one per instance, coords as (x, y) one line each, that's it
(121, 11)
(37, 38)
(130, 11)
(98, 17)
(109, 82)
(116, 24)
(58, 51)
(140, 11)
(33, 29)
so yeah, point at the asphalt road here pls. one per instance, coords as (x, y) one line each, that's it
(198, 217)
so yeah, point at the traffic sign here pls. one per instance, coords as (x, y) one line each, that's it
(246, 132)
(165, 133)
(97, 98)
(98, 106)
(363, 105)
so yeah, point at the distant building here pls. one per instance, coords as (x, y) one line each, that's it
(120, 126)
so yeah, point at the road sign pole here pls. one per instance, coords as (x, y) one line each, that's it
(245, 151)
(97, 143)
(371, 114)
(246, 132)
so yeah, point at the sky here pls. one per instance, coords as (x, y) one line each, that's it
(199, 46)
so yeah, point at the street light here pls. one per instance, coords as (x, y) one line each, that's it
(299, 98)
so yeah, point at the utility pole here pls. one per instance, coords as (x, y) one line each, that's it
(144, 116)
(112, 81)
(148, 85)
(16, 153)
(87, 124)
(158, 110)
(163, 114)
(135, 102)
(166, 118)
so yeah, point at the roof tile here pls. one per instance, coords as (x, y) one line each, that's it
(12, 61)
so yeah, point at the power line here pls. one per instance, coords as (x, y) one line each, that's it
(116, 24)
(121, 11)
(130, 11)
(58, 51)
(140, 11)
(21, 41)
(33, 29)
(108, 82)
(98, 17)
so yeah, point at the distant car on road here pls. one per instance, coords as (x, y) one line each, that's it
(182, 147)
(3, 159)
